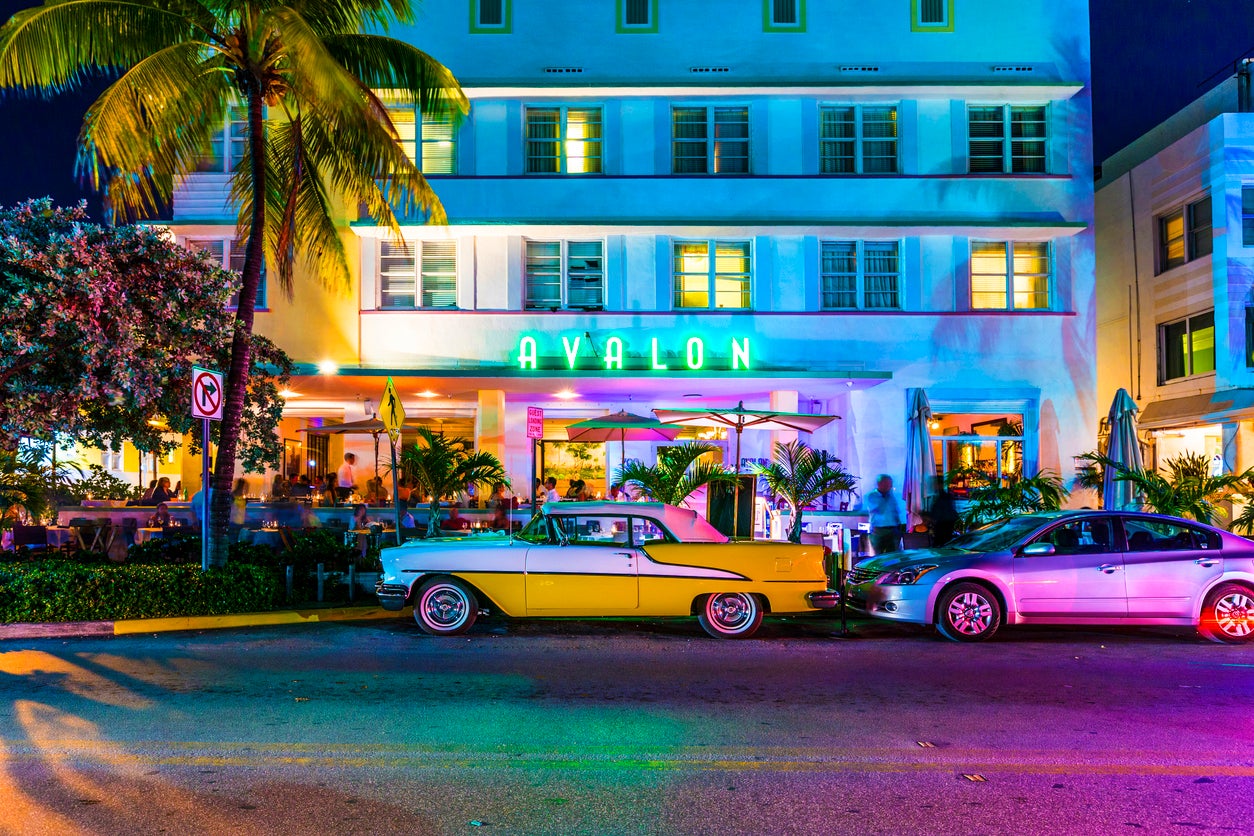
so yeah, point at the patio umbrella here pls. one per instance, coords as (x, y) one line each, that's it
(621, 427)
(920, 464)
(739, 419)
(1123, 447)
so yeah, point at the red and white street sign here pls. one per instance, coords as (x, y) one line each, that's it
(535, 422)
(207, 394)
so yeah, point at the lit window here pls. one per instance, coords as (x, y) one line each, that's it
(710, 140)
(565, 275)
(976, 450)
(419, 274)
(563, 140)
(723, 280)
(1006, 139)
(1010, 275)
(229, 253)
(1184, 234)
(1187, 347)
(434, 150)
(859, 274)
(858, 139)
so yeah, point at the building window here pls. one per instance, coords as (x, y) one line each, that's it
(710, 140)
(1247, 216)
(434, 151)
(858, 139)
(229, 253)
(783, 15)
(859, 274)
(563, 140)
(637, 16)
(420, 274)
(722, 280)
(1184, 234)
(932, 15)
(228, 145)
(975, 450)
(1187, 347)
(567, 275)
(1010, 275)
(1006, 139)
(487, 16)
(1249, 338)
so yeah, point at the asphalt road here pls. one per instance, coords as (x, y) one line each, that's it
(625, 728)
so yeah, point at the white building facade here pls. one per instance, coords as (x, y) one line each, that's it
(803, 205)
(1175, 271)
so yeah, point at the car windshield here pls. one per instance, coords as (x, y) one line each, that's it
(536, 531)
(996, 536)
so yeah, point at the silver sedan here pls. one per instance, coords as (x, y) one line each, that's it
(1068, 567)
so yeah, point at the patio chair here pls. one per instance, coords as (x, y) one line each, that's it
(30, 536)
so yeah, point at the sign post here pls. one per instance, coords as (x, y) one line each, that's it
(393, 416)
(535, 432)
(207, 403)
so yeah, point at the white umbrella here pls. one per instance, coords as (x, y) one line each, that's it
(920, 463)
(1122, 447)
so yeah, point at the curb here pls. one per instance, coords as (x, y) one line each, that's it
(79, 629)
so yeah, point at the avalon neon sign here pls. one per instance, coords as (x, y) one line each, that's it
(691, 354)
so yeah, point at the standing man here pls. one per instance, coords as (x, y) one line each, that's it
(888, 516)
(345, 479)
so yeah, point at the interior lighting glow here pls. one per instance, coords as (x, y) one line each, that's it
(566, 394)
(288, 393)
(427, 393)
(328, 367)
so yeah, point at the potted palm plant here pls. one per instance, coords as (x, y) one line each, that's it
(679, 471)
(990, 499)
(801, 474)
(1187, 488)
(443, 466)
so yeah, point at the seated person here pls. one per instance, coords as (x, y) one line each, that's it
(161, 517)
(454, 521)
(361, 516)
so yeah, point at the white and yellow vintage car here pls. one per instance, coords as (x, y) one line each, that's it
(605, 559)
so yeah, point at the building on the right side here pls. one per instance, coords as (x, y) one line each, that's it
(1175, 279)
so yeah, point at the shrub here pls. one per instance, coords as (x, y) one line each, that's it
(65, 590)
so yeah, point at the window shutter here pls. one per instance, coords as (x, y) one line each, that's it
(236, 263)
(932, 12)
(986, 132)
(988, 275)
(439, 274)
(689, 135)
(880, 273)
(438, 148)
(543, 140)
(396, 274)
(544, 275)
(585, 275)
(839, 274)
(731, 140)
(784, 12)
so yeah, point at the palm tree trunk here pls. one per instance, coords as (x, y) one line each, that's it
(794, 525)
(241, 341)
(433, 518)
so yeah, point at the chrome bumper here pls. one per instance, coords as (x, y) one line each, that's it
(826, 600)
(391, 596)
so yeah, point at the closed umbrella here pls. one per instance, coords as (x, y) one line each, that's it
(621, 427)
(1123, 448)
(739, 419)
(920, 464)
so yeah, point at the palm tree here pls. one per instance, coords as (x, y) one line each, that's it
(989, 499)
(180, 66)
(1187, 489)
(801, 474)
(29, 484)
(679, 471)
(444, 467)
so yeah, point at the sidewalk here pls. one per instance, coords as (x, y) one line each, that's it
(75, 629)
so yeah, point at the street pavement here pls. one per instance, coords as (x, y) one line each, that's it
(626, 727)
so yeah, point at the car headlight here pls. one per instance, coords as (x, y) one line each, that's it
(905, 577)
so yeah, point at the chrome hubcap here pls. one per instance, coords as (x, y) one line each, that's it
(1234, 614)
(730, 611)
(970, 614)
(445, 607)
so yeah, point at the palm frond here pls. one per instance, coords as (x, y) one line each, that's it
(402, 69)
(677, 473)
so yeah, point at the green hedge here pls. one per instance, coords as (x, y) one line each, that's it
(66, 590)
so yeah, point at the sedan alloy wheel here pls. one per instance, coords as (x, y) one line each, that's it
(968, 612)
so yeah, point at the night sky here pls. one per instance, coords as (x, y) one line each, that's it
(1150, 58)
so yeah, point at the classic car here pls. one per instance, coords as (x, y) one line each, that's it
(1068, 567)
(605, 559)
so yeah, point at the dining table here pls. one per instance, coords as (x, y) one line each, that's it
(60, 536)
(271, 537)
(94, 537)
(143, 535)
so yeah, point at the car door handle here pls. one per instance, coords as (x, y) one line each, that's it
(628, 555)
(1207, 561)
(1108, 568)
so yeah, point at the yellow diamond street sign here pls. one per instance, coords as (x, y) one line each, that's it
(392, 411)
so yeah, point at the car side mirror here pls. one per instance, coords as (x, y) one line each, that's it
(1037, 549)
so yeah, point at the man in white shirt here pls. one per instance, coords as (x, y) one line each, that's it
(550, 490)
(887, 514)
(346, 481)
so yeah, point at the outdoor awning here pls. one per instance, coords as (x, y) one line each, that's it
(1197, 410)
